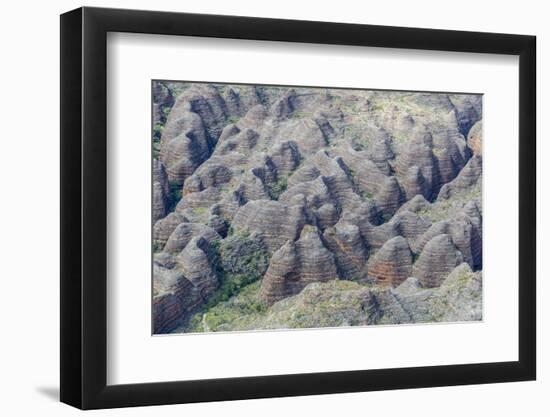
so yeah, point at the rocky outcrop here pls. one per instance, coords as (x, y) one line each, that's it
(344, 303)
(438, 258)
(376, 236)
(206, 101)
(467, 109)
(389, 197)
(208, 175)
(392, 264)
(239, 100)
(418, 153)
(174, 298)
(296, 264)
(195, 262)
(184, 145)
(161, 191)
(332, 304)
(414, 183)
(185, 232)
(283, 108)
(475, 138)
(162, 102)
(346, 243)
(417, 204)
(273, 222)
(243, 142)
(163, 228)
(327, 185)
(285, 156)
(469, 176)
(410, 225)
(326, 216)
(459, 298)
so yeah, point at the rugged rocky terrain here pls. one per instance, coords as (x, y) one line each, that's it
(279, 207)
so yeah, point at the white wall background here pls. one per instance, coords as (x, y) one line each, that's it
(29, 225)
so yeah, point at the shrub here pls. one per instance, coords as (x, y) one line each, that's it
(278, 188)
(175, 196)
(157, 132)
(239, 261)
(232, 119)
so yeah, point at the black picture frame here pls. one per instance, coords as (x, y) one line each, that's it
(84, 207)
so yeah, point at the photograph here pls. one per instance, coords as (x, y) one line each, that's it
(243, 208)
(280, 207)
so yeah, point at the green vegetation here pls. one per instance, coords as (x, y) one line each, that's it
(330, 304)
(279, 187)
(300, 115)
(174, 196)
(177, 87)
(386, 217)
(200, 211)
(233, 119)
(240, 263)
(157, 131)
(157, 246)
(447, 208)
(367, 195)
(238, 312)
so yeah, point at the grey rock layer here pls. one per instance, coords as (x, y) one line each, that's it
(297, 264)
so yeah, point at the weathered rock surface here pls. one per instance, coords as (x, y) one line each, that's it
(438, 258)
(163, 228)
(195, 262)
(459, 298)
(469, 176)
(296, 264)
(331, 304)
(381, 188)
(392, 264)
(274, 223)
(344, 303)
(415, 205)
(467, 109)
(175, 296)
(164, 100)
(161, 191)
(350, 251)
(183, 234)
(474, 138)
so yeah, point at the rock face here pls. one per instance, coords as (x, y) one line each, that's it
(175, 297)
(344, 303)
(348, 246)
(163, 228)
(164, 100)
(161, 191)
(264, 197)
(438, 258)
(331, 304)
(392, 264)
(297, 264)
(474, 138)
(195, 262)
(457, 299)
(467, 178)
(183, 234)
(273, 222)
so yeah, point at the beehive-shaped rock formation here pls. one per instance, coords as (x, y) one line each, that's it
(392, 264)
(438, 258)
(297, 264)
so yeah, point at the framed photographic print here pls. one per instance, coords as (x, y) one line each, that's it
(256, 208)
